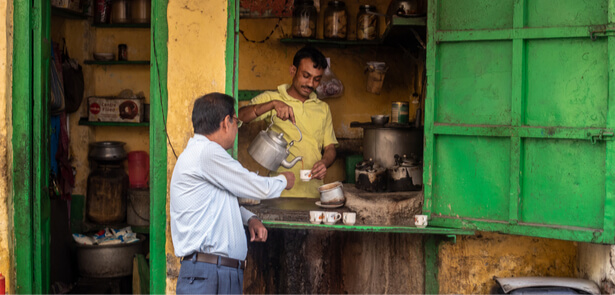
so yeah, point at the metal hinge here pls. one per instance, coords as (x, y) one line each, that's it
(601, 31)
(600, 135)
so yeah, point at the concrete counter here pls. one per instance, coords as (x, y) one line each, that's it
(397, 209)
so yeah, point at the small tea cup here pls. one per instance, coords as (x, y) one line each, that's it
(420, 221)
(305, 174)
(332, 217)
(349, 218)
(316, 217)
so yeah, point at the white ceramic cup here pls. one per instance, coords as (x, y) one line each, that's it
(332, 217)
(349, 218)
(420, 221)
(305, 175)
(316, 217)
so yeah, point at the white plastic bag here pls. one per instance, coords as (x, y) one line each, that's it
(330, 85)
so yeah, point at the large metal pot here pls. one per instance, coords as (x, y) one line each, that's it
(381, 144)
(109, 151)
(107, 261)
(270, 149)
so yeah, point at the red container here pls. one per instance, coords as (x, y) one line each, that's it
(138, 169)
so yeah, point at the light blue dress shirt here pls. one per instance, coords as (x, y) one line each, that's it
(205, 213)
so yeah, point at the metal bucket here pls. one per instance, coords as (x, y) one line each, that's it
(137, 213)
(108, 261)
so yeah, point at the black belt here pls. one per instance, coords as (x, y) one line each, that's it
(214, 259)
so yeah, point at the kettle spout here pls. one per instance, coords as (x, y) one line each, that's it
(292, 163)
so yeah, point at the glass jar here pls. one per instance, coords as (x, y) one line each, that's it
(367, 23)
(304, 19)
(336, 20)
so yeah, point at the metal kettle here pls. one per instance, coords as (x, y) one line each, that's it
(270, 149)
(407, 175)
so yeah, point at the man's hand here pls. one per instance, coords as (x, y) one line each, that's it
(258, 232)
(290, 179)
(319, 170)
(284, 111)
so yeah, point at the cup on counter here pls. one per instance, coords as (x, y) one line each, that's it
(305, 174)
(349, 218)
(316, 217)
(420, 221)
(332, 217)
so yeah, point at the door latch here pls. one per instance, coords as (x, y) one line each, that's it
(601, 31)
(600, 135)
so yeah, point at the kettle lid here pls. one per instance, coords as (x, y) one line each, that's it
(277, 138)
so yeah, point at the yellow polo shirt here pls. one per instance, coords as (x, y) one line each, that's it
(313, 117)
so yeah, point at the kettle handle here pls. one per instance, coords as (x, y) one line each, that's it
(292, 141)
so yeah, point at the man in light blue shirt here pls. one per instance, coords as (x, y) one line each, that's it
(206, 220)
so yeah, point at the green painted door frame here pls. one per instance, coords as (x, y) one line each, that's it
(520, 116)
(158, 146)
(30, 139)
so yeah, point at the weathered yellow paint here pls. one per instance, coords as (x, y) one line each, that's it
(468, 267)
(196, 55)
(6, 53)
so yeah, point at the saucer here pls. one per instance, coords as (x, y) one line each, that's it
(328, 206)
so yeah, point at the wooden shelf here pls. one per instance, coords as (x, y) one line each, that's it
(84, 121)
(117, 62)
(67, 13)
(131, 25)
(339, 43)
(409, 32)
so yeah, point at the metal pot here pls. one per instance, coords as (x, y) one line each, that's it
(406, 8)
(110, 151)
(107, 261)
(407, 175)
(270, 149)
(382, 143)
(332, 193)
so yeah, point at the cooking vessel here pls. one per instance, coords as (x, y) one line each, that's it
(107, 151)
(381, 144)
(380, 119)
(407, 175)
(406, 8)
(331, 193)
(270, 149)
(108, 261)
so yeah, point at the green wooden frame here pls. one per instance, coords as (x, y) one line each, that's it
(30, 167)
(158, 147)
(231, 57)
(22, 149)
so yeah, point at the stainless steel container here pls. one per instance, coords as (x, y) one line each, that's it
(382, 143)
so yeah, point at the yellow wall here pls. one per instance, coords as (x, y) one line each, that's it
(196, 48)
(468, 267)
(6, 60)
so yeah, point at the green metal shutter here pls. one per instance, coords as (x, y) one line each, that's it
(518, 126)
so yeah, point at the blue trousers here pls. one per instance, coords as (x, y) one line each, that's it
(206, 278)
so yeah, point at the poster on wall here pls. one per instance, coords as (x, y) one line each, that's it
(267, 8)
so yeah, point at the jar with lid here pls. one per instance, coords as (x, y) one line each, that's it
(336, 20)
(304, 19)
(367, 23)
(107, 184)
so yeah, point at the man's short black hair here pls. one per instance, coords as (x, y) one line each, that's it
(314, 54)
(209, 110)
